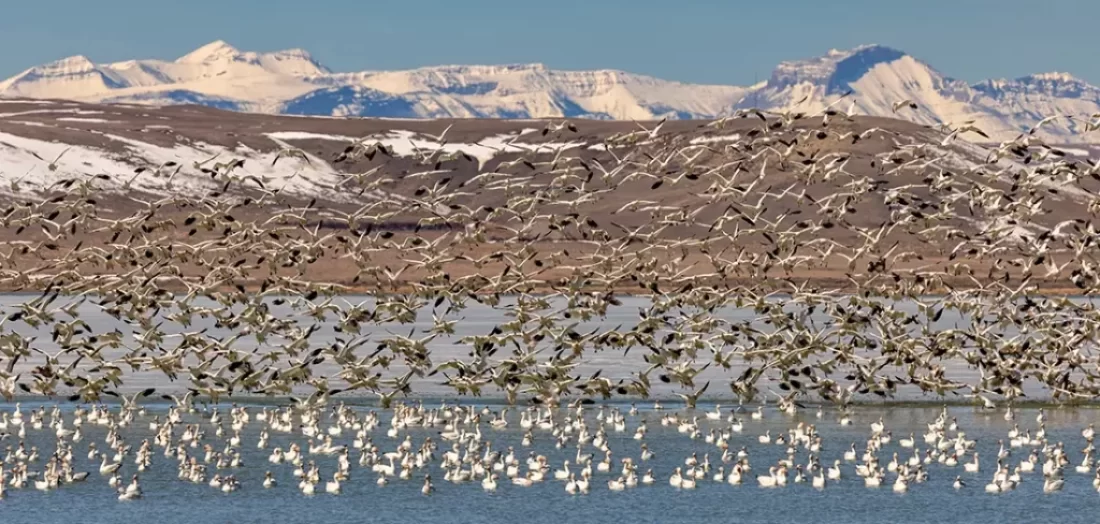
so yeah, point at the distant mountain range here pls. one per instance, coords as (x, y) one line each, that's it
(292, 82)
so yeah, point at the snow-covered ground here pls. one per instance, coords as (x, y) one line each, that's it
(27, 161)
(176, 166)
(87, 120)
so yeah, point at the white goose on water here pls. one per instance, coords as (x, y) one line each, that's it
(770, 480)
(973, 466)
(107, 469)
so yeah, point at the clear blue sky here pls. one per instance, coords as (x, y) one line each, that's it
(708, 41)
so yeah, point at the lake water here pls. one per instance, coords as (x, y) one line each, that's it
(171, 501)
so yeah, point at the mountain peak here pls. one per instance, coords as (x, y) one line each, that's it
(296, 53)
(61, 78)
(835, 70)
(215, 50)
(297, 62)
(1048, 85)
(865, 49)
(1053, 76)
(72, 64)
(858, 62)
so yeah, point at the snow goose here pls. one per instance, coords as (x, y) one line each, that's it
(901, 485)
(735, 476)
(107, 469)
(563, 474)
(973, 466)
(676, 478)
(126, 495)
(819, 479)
(716, 414)
(133, 488)
(907, 442)
(571, 484)
(768, 481)
(583, 483)
(1027, 465)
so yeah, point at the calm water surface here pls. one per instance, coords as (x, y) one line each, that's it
(170, 501)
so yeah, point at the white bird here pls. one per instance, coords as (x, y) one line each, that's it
(902, 103)
(489, 483)
(333, 486)
(768, 480)
(972, 467)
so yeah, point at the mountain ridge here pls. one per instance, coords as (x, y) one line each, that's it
(866, 79)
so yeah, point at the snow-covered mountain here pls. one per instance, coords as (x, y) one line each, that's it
(864, 80)
(215, 74)
(870, 79)
(292, 82)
